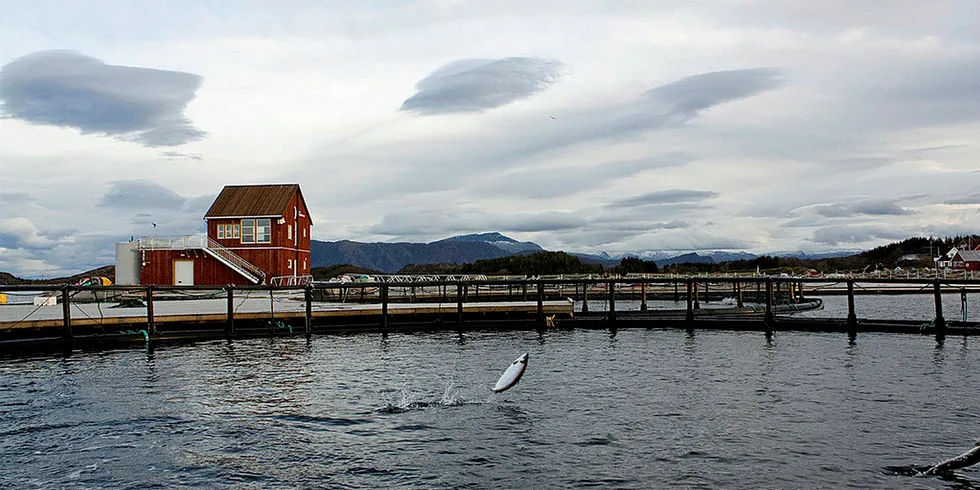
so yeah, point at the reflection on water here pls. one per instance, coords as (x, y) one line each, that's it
(641, 409)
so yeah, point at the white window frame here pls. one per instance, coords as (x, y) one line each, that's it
(248, 224)
(263, 225)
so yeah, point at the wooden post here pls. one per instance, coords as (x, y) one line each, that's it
(540, 303)
(66, 333)
(738, 294)
(677, 296)
(851, 315)
(151, 325)
(308, 296)
(800, 286)
(524, 290)
(707, 297)
(940, 321)
(769, 314)
(585, 297)
(230, 325)
(643, 296)
(963, 305)
(272, 312)
(384, 306)
(689, 316)
(612, 300)
(459, 303)
(697, 304)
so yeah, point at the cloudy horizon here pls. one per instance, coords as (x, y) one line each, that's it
(752, 125)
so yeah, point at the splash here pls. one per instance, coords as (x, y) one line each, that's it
(409, 400)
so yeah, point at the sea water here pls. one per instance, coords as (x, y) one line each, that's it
(635, 408)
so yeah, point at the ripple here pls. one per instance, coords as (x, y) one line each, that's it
(653, 409)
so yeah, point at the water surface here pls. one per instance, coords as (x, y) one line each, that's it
(646, 408)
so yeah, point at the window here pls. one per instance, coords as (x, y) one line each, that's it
(289, 264)
(256, 230)
(228, 231)
(248, 231)
(289, 232)
(304, 264)
(263, 230)
(304, 232)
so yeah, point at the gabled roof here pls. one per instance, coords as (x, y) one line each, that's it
(969, 255)
(244, 201)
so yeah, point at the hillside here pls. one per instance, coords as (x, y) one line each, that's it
(7, 279)
(392, 257)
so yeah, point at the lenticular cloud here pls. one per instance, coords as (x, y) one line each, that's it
(69, 89)
(479, 85)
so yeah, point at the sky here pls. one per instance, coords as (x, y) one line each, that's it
(740, 125)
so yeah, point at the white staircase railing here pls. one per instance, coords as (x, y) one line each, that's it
(235, 261)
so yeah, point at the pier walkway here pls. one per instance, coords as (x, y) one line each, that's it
(72, 316)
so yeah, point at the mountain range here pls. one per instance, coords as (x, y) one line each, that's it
(392, 257)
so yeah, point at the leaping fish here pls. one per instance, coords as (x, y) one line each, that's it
(512, 375)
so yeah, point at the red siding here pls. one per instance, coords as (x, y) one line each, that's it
(158, 268)
(273, 258)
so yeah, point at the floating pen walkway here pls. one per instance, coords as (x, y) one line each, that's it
(72, 316)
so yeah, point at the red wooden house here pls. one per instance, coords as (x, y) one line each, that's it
(967, 260)
(256, 234)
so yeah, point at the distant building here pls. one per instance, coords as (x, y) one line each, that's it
(256, 234)
(964, 260)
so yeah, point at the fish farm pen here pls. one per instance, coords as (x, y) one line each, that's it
(68, 317)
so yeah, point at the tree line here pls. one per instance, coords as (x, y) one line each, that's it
(916, 252)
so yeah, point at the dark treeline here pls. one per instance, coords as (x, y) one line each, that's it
(917, 252)
(528, 265)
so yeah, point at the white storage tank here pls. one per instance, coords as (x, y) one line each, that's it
(128, 263)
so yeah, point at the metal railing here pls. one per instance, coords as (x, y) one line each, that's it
(206, 243)
(234, 260)
(184, 242)
(291, 281)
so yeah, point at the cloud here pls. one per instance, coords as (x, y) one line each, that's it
(68, 89)
(477, 85)
(971, 199)
(140, 194)
(15, 198)
(833, 235)
(550, 182)
(870, 207)
(670, 196)
(439, 223)
(687, 97)
(176, 155)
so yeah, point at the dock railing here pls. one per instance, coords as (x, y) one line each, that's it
(758, 302)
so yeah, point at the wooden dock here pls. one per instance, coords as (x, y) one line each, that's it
(70, 316)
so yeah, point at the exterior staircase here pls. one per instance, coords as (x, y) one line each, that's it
(225, 256)
(235, 261)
